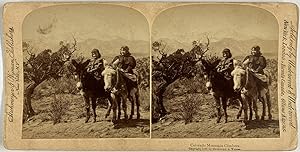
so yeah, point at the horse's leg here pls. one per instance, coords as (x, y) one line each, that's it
(94, 105)
(250, 102)
(87, 108)
(245, 103)
(109, 108)
(218, 106)
(240, 108)
(269, 104)
(254, 100)
(131, 99)
(114, 104)
(224, 104)
(124, 105)
(137, 101)
(118, 101)
(263, 101)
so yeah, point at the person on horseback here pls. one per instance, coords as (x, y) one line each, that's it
(256, 63)
(96, 65)
(126, 63)
(225, 66)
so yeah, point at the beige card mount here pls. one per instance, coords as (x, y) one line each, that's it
(150, 76)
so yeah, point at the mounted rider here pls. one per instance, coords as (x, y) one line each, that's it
(96, 65)
(225, 66)
(125, 62)
(256, 63)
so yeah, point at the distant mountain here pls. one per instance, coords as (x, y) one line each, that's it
(239, 48)
(108, 48)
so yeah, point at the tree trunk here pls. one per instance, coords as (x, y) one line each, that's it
(28, 110)
(159, 93)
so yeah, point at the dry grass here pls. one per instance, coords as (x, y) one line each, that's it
(189, 108)
(58, 108)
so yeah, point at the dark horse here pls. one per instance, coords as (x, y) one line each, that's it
(219, 87)
(90, 87)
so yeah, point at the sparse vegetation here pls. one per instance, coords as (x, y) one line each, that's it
(42, 67)
(189, 108)
(170, 68)
(58, 108)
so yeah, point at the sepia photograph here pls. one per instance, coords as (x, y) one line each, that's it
(214, 72)
(150, 76)
(86, 72)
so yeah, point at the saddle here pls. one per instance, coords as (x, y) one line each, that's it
(261, 79)
(130, 76)
(130, 79)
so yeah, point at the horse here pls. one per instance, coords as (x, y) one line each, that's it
(90, 88)
(116, 83)
(246, 83)
(220, 88)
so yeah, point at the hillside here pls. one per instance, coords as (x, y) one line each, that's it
(238, 47)
(108, 48)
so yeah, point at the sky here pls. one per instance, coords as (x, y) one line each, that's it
(104, 22)
(188, 23)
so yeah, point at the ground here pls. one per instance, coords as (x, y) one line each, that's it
(204, 123)
(73, 123)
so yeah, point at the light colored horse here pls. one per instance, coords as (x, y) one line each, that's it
(116, 84)
(246, 82)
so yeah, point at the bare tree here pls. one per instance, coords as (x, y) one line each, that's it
(170, 68)
(41, 67)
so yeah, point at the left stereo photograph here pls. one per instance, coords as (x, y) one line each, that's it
(86, 73)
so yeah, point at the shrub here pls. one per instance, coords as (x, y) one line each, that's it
(189, 108)
(145, 98)
(58, 109)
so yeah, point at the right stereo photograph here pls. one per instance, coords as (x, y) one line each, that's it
(214, 72)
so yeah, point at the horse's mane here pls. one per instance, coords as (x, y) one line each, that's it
(108, 69)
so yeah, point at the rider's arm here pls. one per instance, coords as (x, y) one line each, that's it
(98, 63)
(90, 67)
(229, 65)
(246, 58)
(131, 65)
(262, 63)
(115, 63)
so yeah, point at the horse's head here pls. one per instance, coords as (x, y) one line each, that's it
(109, 74)
(239, 78)
(80, 72)
(210, 73)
